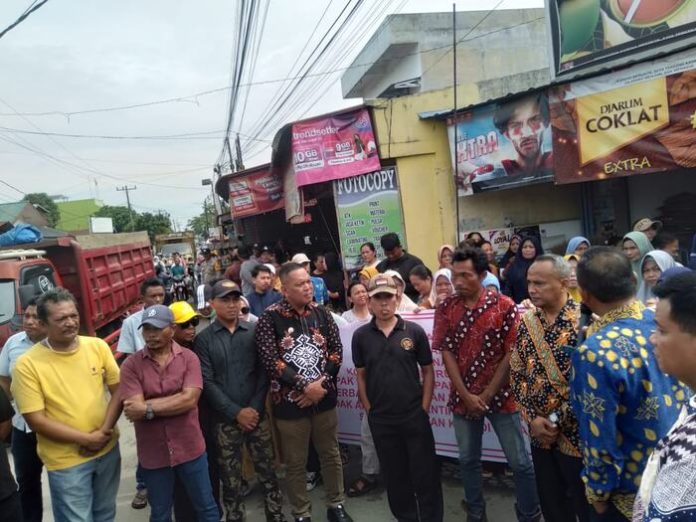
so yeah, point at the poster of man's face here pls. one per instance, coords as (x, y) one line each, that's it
(504, 145)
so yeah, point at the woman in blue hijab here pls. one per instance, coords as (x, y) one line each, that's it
(577, 246)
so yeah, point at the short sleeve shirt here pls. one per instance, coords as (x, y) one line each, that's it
(164, 441)
(69, 387)
(479, 337)
(391, 368)
(131, 339)
(15, 346)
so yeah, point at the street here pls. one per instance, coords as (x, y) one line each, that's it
(372, 507)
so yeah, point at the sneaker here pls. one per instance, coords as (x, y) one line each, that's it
(140, 499)
(338, 514)
(313, 479)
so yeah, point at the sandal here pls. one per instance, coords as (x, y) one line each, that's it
(361, 487)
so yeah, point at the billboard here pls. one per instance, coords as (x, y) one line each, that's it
(334, 147)
(636, 121)
(591, 34)
(255, 193)
(368, 206)
(502, 145)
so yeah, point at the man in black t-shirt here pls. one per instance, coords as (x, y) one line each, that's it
(400, 260)
(387, 353)
(10, 508)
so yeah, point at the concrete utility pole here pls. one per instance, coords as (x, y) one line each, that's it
(127, 189)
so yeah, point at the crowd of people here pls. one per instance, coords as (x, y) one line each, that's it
(594, 352)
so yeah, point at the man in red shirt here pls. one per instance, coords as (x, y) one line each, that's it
(476, 329)
(160, 387)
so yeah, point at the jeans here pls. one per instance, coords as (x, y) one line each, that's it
(508, 428)
(28, 466)
(139, 479)
(294, 439)
(87, 492)
(194, 476)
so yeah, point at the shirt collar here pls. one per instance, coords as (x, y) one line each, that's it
(218, 326)
(289, 308)
(632, 310)
(567, 313)
(176, 350)
(400, 323)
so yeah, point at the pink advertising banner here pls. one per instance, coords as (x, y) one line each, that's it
(334, 147)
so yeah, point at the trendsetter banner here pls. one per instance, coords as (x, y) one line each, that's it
(255, 193)
(334, 147)
(350, 409)
(589, 34)
(368, 206)
(504, 145)
(638, 121)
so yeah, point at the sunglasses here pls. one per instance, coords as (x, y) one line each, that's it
(191, 322)
(244, 310)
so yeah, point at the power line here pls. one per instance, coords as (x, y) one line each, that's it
(22, 17)
(185, 136)
(192, 97)
(13, 187)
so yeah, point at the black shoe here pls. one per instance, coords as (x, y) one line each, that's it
(338, 514)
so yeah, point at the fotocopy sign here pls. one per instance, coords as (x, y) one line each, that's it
(334, 147)
(350, 409)
(636, 121)
(368, 206)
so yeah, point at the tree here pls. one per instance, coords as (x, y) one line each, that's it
(203, 221)
(159, 223)
(42, 199)
(120, 215)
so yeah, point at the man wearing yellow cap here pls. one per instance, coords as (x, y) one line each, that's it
(186, 320)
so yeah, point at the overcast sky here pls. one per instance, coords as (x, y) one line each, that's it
(77, 55)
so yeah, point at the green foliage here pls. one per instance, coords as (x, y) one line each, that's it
(120, 215)
(126, 221)
(42, 199)
(203, 221)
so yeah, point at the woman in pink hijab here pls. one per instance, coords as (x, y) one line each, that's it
(444, 256)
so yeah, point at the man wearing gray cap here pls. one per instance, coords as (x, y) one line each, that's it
(160, 387)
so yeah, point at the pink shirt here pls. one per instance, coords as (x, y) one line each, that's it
(164, 441)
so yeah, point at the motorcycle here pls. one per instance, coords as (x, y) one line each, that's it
(180, 289)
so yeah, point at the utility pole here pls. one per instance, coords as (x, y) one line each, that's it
(127, 189)
(239, 163)
(454, 116)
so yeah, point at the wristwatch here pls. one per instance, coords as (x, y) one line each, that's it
(149, 412)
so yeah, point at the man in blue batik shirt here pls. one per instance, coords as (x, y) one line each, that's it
(623, 401)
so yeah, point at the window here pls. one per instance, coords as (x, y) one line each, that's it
(7, 300)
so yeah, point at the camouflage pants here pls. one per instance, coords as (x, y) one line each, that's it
(231, 438)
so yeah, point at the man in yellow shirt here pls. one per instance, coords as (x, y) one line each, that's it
(60, 387)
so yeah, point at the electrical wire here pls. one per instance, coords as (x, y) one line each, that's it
(33, 7)
(185, 136)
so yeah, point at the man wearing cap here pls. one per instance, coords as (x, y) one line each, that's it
(160, 387)
(263, 295)
(235, 387)
(299, 345)
(321, 293)
(387, 353)
(648, 226)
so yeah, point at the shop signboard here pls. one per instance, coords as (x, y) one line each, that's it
(637, 121)
(502, 145)
(590, 34)
(368, 207)
(255, 193)
(350, 409)
(334, 147)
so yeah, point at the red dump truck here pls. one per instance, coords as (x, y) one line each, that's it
(103, 272)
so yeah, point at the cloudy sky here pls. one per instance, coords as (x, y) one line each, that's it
(73, 56)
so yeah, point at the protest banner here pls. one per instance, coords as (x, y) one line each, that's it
(350, 410)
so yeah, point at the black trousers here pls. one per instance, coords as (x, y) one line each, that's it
(406, 452)
(28, 465)
(561, 490)
(611, 515)
(10, 508)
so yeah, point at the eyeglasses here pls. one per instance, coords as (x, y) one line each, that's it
(191, 322)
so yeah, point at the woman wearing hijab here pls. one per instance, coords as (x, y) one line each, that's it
(577, 246)
(653, 265)
(444, 256)
(635, 245)
(573, 288)
(512, 250)
(516, 276)
(366, 274)
(405, 303)
(442, 286)
(491, 282)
